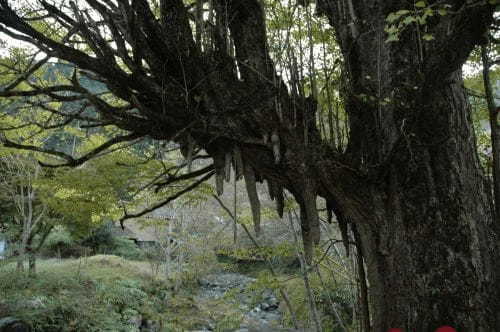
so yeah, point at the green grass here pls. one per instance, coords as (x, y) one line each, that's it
(106, 292)
(99, 293)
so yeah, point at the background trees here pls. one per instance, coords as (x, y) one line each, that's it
(18, 179)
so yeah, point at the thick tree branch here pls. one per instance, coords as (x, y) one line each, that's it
(172, 179)
(167, 200)
(70, 161)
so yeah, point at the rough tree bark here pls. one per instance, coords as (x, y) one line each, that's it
(409, 180)
(430, 242)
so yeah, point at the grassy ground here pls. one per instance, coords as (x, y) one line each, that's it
(99, 293)
(111, 293)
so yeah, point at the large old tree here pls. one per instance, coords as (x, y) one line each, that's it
(408, 183)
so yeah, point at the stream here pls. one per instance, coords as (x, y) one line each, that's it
(261, 315)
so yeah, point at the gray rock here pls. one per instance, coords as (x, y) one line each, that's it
(136, 321)
(34, 303)
(149, 326)
(269, 304)
(11, 324)
(263, 316)
(225, 280)
(6, 321)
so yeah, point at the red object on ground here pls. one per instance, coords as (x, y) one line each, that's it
(446, 329)
(440, 329)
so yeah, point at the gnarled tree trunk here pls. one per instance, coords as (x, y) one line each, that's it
(430, 246)
(430, 243)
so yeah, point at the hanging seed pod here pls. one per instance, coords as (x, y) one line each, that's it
(271, 190)
(344, 232)
(329, 212)
(227, 166)
(219, 164)
(238, 163)
(275, 141)
(219, 183)
(253, 197)
(258, 177)
(184, 149)
(185, 145)
(190, 152)
(329, 216)
(280, 202)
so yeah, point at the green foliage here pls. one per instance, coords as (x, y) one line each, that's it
(293, 32)
(323, 293)
(26, 221)
(398, 21)
(96, 192)
(100, 190)
(284, 250)
(125, 248)
(102, 236)
(265, 280)
(474, 83)
(229, 322)
(100, 294)
(60, 243)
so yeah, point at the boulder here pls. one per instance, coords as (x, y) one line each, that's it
(11, 324)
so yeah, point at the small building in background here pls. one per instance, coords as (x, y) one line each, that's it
(139, 230)
(144, 236)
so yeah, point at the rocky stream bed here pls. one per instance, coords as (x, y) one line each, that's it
(263, 315)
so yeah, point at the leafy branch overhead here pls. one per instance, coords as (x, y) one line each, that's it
(400, 20)
(157, 82)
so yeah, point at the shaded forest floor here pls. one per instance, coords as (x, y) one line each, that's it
(221, 287)
(109, 293)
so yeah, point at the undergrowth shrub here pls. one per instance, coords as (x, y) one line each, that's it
(329, 291)
(61, 244)
(104, 241)
(125, 248)
(66, 296)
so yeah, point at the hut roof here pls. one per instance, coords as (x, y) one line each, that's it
(142, 232)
